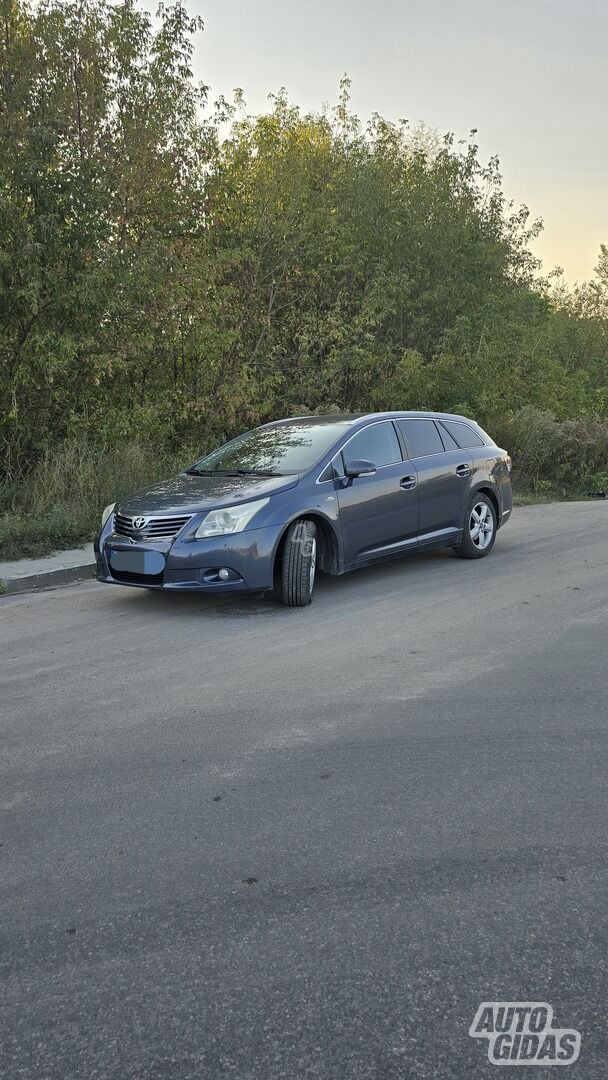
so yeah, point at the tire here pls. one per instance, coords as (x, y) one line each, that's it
(299, 564)
(477, 543)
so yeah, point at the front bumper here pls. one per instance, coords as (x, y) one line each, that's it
(193, 565)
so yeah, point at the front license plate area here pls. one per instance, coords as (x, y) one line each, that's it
(149, 563)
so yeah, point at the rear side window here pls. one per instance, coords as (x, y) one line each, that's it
(462, 434)
(421, 437)
(377, 443)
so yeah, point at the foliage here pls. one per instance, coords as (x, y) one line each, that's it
(100, 149)
(557, 456)
(172, 272)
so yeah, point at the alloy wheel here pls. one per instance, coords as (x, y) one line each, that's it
(481, 525)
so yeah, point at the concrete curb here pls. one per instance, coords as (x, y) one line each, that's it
(60, 568)
(45, 581)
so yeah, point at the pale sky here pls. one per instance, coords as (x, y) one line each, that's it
(530, 75)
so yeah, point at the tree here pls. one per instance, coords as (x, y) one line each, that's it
(172, 272)
(101, 161)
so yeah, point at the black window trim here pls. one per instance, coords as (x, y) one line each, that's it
(444, 435)
(340, 450)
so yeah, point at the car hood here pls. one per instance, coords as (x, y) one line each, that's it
(190, 494)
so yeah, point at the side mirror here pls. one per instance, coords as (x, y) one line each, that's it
(359, 467)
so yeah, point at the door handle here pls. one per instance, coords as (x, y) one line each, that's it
(408, 483)
(463, 470)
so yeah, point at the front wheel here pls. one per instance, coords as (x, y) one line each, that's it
(299, 564)
(479, 529)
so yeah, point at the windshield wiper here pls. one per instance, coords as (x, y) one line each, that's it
(256, 472)
(231, 472)
(210, 472)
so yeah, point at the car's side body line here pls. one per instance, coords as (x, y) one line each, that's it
(440, 536)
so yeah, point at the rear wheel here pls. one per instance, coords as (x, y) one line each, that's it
(479, 529)
(299, 564)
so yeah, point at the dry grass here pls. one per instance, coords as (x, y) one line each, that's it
(59, 503)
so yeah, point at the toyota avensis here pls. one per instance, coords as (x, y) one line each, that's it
(315, 492)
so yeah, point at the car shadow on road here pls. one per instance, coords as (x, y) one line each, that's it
(378, 579)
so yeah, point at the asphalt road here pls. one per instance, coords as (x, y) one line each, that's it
(241, 841)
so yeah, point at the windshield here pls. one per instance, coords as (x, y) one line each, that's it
(273, 451)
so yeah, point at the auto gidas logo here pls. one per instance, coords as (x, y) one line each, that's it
(522, 1033)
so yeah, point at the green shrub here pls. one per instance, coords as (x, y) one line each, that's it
(551, 455)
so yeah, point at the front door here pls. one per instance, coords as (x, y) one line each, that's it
(379, 513)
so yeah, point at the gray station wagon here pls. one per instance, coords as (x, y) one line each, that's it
(329, 493)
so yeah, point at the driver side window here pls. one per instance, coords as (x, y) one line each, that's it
(377, 443)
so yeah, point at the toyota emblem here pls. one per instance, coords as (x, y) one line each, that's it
(140, 523)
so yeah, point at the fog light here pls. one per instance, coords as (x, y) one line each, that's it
(223, 574)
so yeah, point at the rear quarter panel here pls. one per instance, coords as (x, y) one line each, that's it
(490, 470)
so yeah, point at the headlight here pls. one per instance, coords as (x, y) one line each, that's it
(108, 510)
(230, 519)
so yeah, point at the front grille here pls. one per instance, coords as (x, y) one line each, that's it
(137, 579)
(153, 528)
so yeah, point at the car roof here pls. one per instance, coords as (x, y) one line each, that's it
(338, 418)
(352, 418)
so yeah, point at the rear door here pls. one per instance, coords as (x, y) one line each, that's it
(444, 478)
(379, 513)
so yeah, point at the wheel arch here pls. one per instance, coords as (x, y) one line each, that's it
(329, 557)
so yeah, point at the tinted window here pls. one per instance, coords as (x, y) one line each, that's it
(421, 437)
(282, 449)
(338, 466)
(333, 470)
(448, 440)
(463, 435)
(378, 444)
